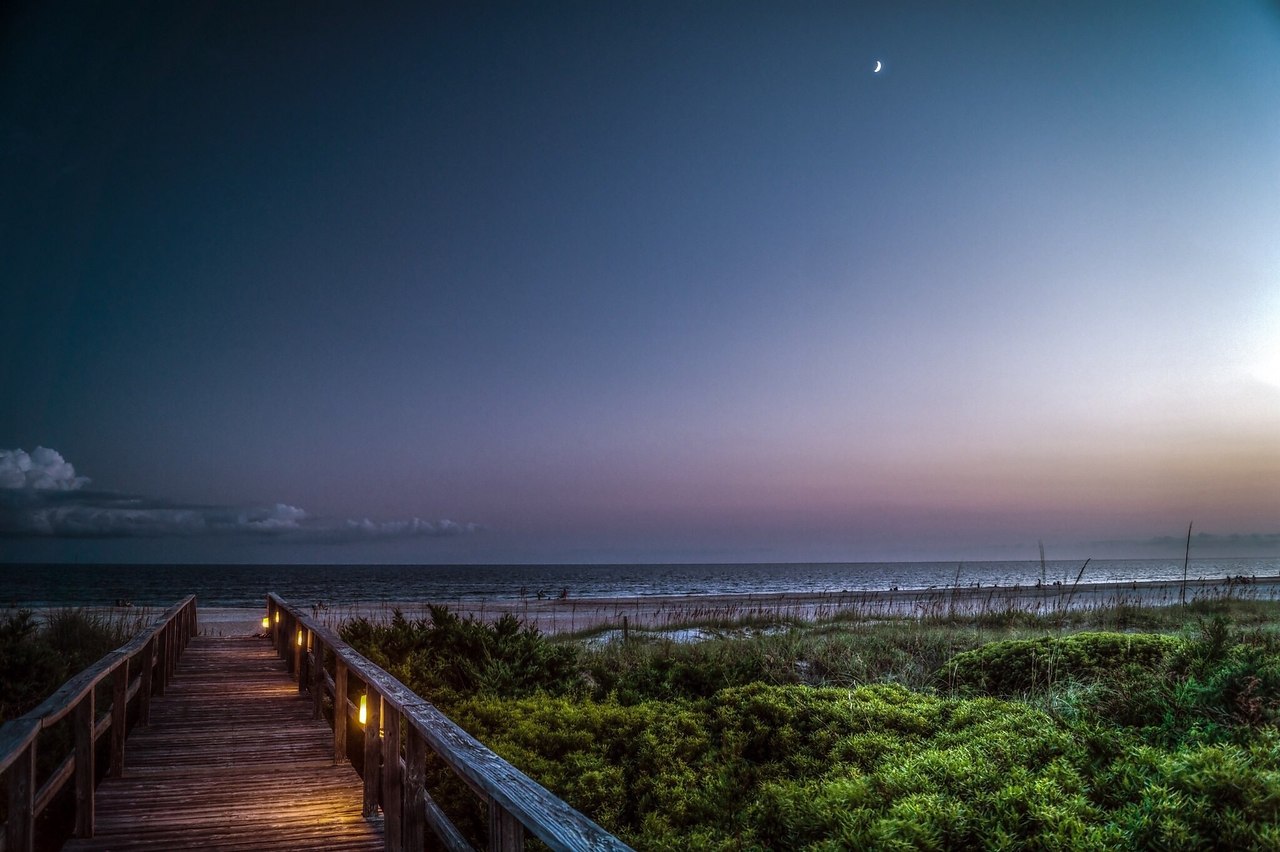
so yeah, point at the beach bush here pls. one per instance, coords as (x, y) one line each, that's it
(36, 658)
(645, 669)
(1020, 666)
(445, 658)
(1213, 687)
(936, 738)
(882, 767)
(29, 668)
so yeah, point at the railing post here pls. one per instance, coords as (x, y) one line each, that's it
(162, 654)
(119, 717)
(288, 643)
(506, 834)
(144, 690)
(340, 717)
(20, 835)
(392, 804)
(371, 751)
(415, 762)
(317, 675)
(166, 653)
(85, 775)
(298, 640)
(171, 658)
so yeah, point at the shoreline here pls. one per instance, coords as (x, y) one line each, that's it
(657, 612)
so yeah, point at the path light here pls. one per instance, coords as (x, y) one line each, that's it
(364, 710)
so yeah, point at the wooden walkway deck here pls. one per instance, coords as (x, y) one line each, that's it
(232, 760)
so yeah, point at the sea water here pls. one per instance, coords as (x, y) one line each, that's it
(248, 585)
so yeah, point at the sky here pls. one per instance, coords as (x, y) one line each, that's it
(641, 282)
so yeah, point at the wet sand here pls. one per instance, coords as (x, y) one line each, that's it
(569, 615)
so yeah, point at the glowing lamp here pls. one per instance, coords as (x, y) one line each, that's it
(364, 710)
(277, 616)
(299, 637)
(266, 622)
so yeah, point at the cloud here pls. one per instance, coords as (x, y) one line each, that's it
(43, 470)
(42, 497)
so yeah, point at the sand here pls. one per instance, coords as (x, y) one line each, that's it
(668, 611)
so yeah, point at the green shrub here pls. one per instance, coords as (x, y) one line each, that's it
(447, 658)
(879, 767)
(1018, 667)
(35, 658)
(1146, 741)
(29, 668)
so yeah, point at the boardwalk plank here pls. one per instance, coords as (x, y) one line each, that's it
(232, 760)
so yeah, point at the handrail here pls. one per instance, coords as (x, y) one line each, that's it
(159, 646)
(515, 801)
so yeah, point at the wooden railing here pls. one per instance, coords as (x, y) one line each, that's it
(398, 729)
(141, 667)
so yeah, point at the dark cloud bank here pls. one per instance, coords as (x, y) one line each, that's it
(41, 496)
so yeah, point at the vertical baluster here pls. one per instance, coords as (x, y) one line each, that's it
(415, 830)
(391, 787)
(272, 626)
(84, 763)
(317, 676)
(20, 833)
(144, 691)
(371, 752)
(506, 834)
(300, 655)
(171, 663)
(339, 710)
(119, 716)
(162, 654)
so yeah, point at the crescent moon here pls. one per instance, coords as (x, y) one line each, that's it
(877, 68)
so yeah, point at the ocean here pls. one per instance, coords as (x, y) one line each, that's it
(248, 585)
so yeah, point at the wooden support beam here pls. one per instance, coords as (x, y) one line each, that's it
(392, 802)
(85, 770)
(414, 835)
(119, 716)
(20, 835)
(147, 676)
(447, 835)
(506, 834)
(317, 676)
(372, 753)
(162, 655)
(340, 721)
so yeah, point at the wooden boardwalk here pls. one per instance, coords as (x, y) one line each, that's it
(232, 760)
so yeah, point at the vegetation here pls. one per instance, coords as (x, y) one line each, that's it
(944, 734)
(36, 658)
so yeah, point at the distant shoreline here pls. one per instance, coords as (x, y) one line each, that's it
(568, 615)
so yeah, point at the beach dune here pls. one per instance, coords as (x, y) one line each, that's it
(569, 615)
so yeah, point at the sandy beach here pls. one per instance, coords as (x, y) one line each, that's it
(570, 615)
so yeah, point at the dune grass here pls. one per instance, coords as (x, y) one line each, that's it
(1103, 728)
(38, 654)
